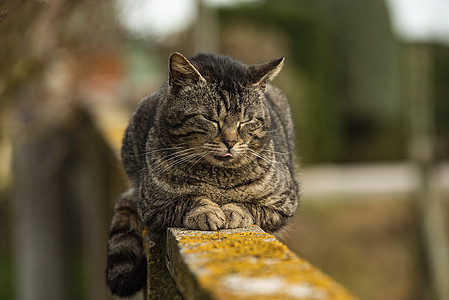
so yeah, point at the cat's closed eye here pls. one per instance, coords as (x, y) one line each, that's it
(216, 123)
(251, 124)
(243, 123)
(193, 124)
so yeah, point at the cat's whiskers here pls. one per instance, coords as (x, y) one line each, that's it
(257, 163)
(253, 160)
(143, 169)
(178, 153)
(276, 152)
(175, 159)
(273, 130)
(201, 156)
(263, 157)
(146, 153)
(166, 161)
(172, 165)
(170, 156)
(165, 164)
(272, 162)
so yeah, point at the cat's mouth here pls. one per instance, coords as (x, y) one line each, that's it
(225, 156)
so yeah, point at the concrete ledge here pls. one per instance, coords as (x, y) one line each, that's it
(245, 263)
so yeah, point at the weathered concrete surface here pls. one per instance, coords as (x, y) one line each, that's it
(160, 284)
(243, 263)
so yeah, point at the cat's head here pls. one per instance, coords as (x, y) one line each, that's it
(215, 108)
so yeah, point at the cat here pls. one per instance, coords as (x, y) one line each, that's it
(212, 149)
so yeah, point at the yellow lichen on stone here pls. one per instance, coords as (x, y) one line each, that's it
(223, 261)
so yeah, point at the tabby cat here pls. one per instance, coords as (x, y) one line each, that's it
(212, 149)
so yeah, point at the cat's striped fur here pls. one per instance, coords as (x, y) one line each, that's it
(212, 149)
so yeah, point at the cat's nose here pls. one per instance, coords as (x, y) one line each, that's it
(229, 144)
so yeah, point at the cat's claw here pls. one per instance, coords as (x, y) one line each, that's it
(236, 216)
(209, 217)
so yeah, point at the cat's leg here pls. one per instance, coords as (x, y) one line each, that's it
(274, 213)
(204, 215)
(237, 215)
(268, 218)
(196, 213)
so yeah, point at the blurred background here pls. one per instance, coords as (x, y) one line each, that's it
(368, 82)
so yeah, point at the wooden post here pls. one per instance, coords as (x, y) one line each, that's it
(244, 263)
(160, 285)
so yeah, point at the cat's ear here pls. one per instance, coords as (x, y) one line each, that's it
(181, 71)
(264, 73)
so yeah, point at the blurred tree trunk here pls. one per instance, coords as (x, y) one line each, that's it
(422, 149)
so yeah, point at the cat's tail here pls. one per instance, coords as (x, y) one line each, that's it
(126, 265)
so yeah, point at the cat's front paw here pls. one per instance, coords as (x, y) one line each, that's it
(236, 216)
(206, 216)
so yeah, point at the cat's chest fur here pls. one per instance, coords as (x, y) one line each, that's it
(221, 184)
